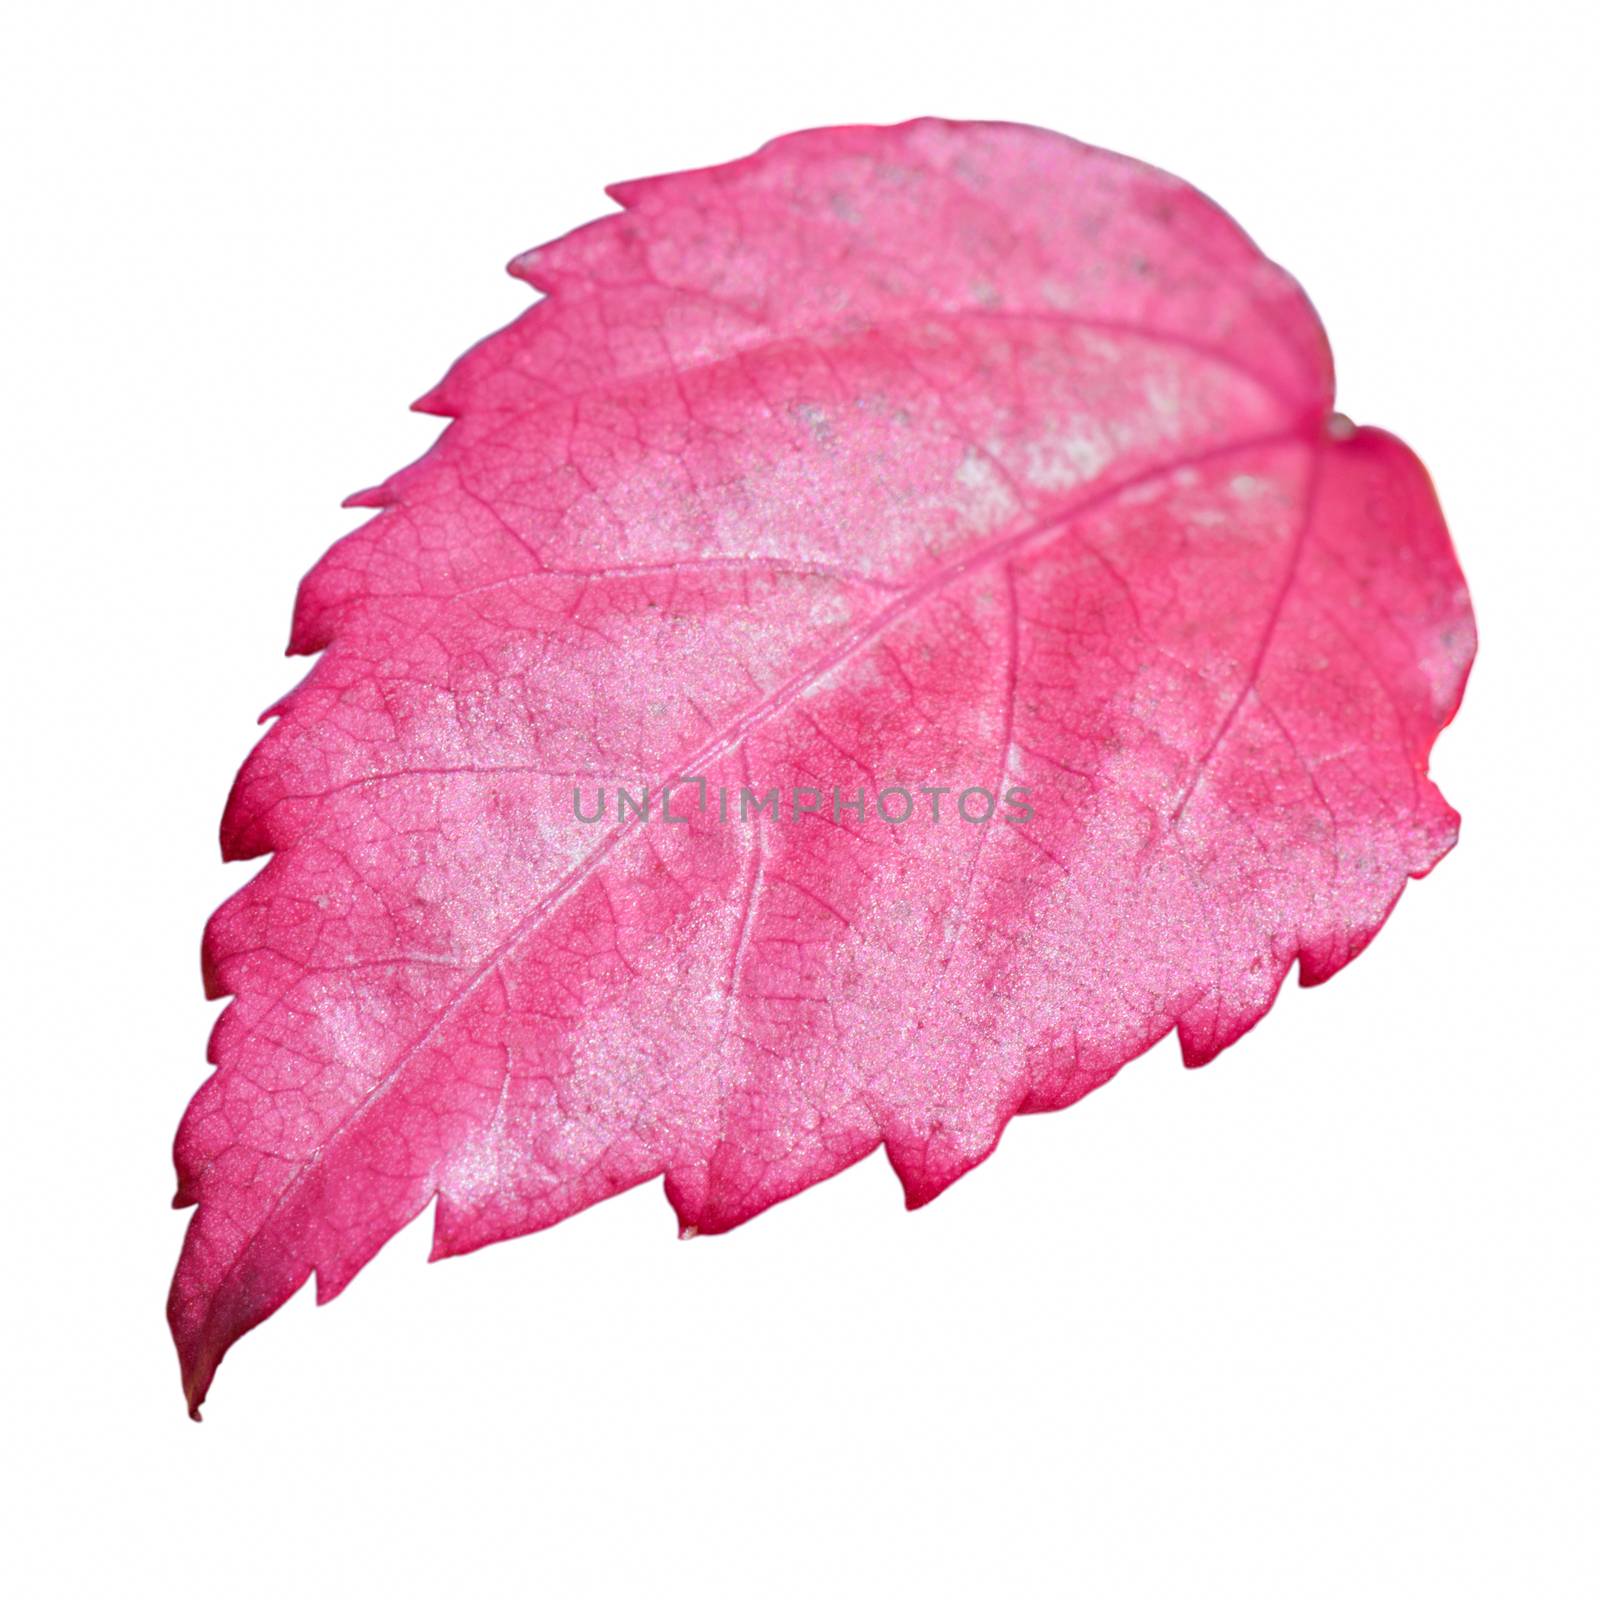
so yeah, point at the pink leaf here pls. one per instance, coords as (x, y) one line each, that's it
(886, 460)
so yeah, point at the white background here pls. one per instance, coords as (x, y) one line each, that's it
(1318, 1320)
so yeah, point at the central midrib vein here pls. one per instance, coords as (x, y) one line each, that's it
(908, 601)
